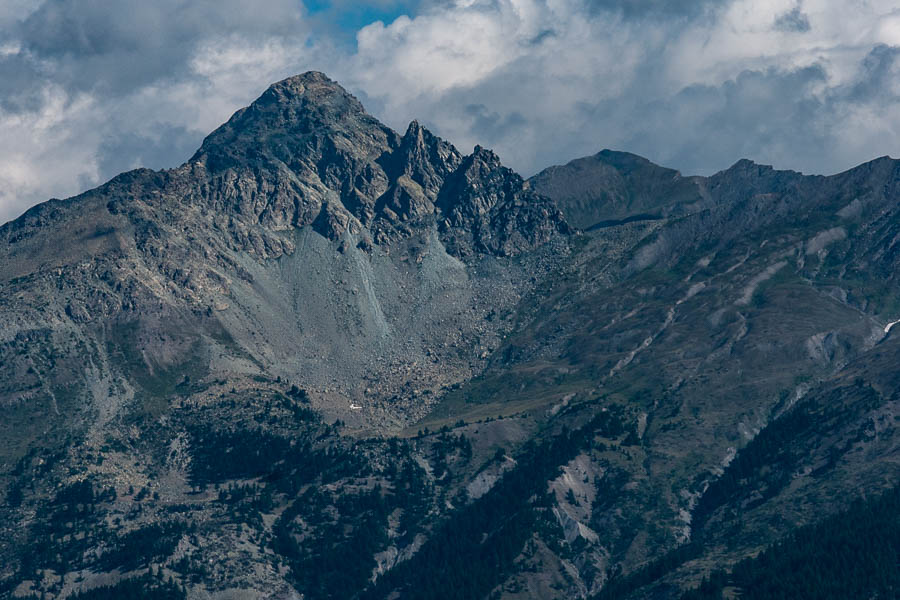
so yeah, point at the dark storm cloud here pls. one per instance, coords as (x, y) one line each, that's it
(766, 115)
(793, 20)
(728, 80)
(100, 80)
(493, 124)
(126, 150)
(115, 47)
(786, 117)
(875, 86)
(790, 118)
(19, 84)
(639, 9)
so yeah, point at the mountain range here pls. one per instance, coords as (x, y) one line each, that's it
(322, 359)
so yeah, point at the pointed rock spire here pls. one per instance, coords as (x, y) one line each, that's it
(489, 208)
(426, 159)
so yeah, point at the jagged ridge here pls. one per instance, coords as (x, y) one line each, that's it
(274, 316)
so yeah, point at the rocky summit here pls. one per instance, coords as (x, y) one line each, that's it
(322, 359)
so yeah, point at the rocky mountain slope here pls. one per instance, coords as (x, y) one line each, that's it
(325, 360)
(610, 187)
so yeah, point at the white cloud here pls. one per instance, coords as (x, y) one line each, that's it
(545, 81)
(72, 133)
(808, 84)
(37, 157)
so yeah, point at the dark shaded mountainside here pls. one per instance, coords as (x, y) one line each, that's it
(325, 360)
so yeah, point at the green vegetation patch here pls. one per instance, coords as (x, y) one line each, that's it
(854, 554)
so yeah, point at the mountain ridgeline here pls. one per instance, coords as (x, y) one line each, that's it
(322, 359)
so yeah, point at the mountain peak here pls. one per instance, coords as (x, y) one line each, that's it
(414, 129)
(623, 160)
(306, 153)
(307, 78)
(312, 86)
(336, 167)
(745, 164)
(289, 116)
(485, 155)
(612, 186)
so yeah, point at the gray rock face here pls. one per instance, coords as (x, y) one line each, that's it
(425, 159)
(240, 241)
(306, 151)
(488, 208)
(235, 358)
(614, 186)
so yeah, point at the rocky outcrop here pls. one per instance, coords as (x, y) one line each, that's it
(306, 152)
(425, 159)
(611, 187)
(488, 208)
(302, 227)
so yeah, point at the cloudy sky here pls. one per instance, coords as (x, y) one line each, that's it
(89, 88)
